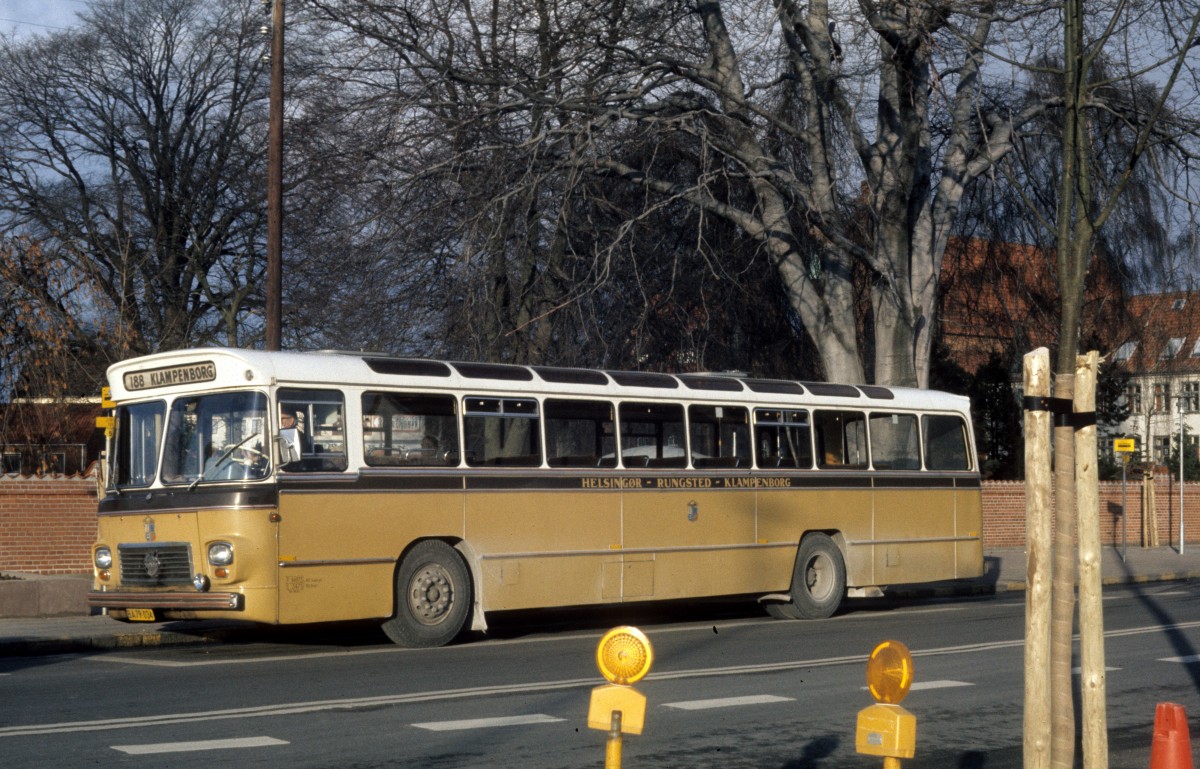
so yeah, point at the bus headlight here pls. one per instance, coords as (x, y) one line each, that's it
(220, 554)
(103, 558)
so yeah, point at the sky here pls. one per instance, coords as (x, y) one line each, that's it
(30, 17)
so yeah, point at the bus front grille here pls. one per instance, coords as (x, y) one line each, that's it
(155, 564)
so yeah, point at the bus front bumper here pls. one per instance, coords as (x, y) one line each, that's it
(179, 600)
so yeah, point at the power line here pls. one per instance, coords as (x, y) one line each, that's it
(32, 24)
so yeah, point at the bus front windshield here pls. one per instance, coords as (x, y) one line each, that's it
(221, 437)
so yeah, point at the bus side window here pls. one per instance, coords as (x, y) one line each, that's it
(580, 434)
(720, 436)
(139, 432)
(841, 439)
(783, 439)
(318, 434)
(894, 442)
(402, 429)
(652, 435)
(945, 443)
(502, 432)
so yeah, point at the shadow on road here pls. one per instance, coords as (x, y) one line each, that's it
(814, 752)
(1175, 636)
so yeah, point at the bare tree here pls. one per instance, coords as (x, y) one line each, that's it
(1112, 121)
(128, 149)
(808, 129)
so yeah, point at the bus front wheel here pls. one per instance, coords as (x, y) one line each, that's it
(818, 581)
(433, 596)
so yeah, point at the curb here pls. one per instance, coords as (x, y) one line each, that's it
(1019, 586)
(107, 641)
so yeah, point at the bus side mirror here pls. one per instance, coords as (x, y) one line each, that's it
(288, 452)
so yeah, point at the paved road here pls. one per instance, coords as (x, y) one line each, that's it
(729, 689)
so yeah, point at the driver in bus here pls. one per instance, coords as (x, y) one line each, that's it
(289, 430)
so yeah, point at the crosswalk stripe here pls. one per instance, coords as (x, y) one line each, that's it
(918, 686)
(922, 685)
(727, 702)
(487, 723)
(188, 747)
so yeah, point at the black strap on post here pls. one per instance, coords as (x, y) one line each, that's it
(1061, 408)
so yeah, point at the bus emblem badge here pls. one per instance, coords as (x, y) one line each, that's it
(693, 511)
(152, 565)
(148, 525)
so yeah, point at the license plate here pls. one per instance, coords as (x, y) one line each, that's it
(140, 615)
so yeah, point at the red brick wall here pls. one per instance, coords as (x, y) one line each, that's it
(47, 523)
(1004, 513)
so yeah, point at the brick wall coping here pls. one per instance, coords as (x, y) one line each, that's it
(88, 475)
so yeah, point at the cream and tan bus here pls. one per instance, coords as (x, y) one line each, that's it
(286, 487)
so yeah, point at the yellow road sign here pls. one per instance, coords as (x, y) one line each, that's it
(1125, 444)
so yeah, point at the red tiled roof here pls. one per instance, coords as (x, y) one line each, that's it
(1003, 298)
(1161, 334)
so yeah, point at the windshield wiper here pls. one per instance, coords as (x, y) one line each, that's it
(221, 459)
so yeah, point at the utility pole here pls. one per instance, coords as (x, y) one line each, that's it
(1182, 405)
(274, 313)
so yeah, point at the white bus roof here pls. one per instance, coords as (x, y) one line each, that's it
(204, 369)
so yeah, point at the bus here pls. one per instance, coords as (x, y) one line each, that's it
(302, 487)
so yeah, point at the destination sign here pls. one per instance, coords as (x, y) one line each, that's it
(739, 482)
(171, 375)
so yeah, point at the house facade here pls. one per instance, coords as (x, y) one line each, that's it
(1160, 353)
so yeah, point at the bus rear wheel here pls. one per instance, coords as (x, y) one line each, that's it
(433, 596)
(818, 581)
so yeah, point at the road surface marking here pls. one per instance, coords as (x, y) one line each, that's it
(1078, 671)
(922, 685)
(727, 702)
(527, 687)
(191, 747)
(1183, 660)
(487, 723)
(293, 708)
(765, 622)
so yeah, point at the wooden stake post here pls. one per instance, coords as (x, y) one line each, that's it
(1041, 746)
(1038, 539)
(1091, 612)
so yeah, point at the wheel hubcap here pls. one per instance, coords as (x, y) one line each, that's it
(818, 577)
(431, 594)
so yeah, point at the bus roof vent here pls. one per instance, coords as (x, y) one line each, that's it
(644, 379)
(710, 382)
(775, 386)
(876, 392)
(494, 371)
(582, 376)
(832, 390)
(407, 367)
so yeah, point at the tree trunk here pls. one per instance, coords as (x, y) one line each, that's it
(826, 308)
(1062, 607)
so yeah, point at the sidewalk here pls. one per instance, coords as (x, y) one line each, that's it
(1004, 572)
